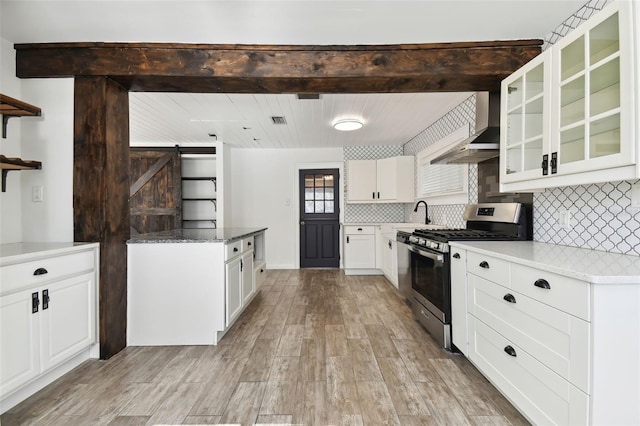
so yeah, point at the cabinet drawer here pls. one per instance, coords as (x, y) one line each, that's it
(247, 244)
(542, 395)
(13, 277)
(567, 294)
(232, 249)
(491, 268)
(355, 230)
(558, 340)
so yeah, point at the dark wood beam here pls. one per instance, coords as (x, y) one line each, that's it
(468, 66)
(101, 195)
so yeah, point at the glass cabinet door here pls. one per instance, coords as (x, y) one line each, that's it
(525, 105)
(591, 96)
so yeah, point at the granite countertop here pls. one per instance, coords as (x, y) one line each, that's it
(594, 266)
(195, 235)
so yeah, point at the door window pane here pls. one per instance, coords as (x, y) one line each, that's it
(328, 206)
(308, 193)
(319, 207)
(308, 207)
(319, 194)
(328, 193)
(308, 181)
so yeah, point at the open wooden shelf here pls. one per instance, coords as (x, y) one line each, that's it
(10, 107)
(10, 164)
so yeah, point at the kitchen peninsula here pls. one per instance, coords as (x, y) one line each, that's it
(188, 286)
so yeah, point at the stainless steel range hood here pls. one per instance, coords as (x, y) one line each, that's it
(484, 142)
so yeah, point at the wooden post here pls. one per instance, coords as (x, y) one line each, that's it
(101, 195)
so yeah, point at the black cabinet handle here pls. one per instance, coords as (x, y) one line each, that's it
(249, 243)
(347, 239)
(359, 229)
(554, 163)
(509, 350)
(484, 264)
(40, 271)
(509, 298)
(235, 249)
(456, 255)
(390, 244)
(542, 283)
(45, 299)
(35, 302)
(545, 165)
(378, 195)
(373, 195)
(261, 270)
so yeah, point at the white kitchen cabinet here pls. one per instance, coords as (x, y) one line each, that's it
(568, 117)
(48, 314)
(239, 277)
(459, 299)
(360, 250)
(22, 362)
(246, 267)
(389, 259)
(205, 276)
(388, 180)
(554, 328)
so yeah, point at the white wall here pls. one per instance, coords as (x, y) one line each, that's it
(262, 182)
(10, 201)
(49, 139)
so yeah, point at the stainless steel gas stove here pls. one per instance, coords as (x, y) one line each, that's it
(430, 264)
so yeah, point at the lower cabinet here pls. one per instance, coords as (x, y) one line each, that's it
(48, 324)
(459, 335)
(205, 286)
(239, 279)
(389, 260)
(563, 349)
(360, 250)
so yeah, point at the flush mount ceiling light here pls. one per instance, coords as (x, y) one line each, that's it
(348, 124)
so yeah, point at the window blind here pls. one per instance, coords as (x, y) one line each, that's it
(439, 179)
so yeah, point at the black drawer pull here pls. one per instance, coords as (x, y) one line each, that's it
(542, 283)
(235, 249)
(249, 243)
(456, 255)
(359, 229)
(509, 298)
(390, 246)
(509, 349)
(484, 264)
(40, 271)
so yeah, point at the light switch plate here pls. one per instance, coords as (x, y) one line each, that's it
(37, 194)
(635, 195)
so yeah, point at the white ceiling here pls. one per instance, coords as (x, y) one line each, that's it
(390, 119)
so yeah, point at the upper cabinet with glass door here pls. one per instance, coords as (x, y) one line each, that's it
(525, 104)
(591, 110)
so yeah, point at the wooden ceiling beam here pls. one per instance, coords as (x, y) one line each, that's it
(403, 68)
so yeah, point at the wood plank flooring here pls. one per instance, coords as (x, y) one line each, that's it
(315, 347)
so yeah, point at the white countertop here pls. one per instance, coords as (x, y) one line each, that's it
(594, 266)
(21, 252)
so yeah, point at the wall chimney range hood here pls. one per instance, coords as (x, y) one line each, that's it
(484, 142)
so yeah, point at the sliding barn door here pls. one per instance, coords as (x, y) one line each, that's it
(156, 191)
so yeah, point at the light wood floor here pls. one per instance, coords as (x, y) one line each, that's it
(315, 347)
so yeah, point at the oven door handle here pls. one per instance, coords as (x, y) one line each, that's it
(430, 255)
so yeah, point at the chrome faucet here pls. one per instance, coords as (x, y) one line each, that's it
(426, 211)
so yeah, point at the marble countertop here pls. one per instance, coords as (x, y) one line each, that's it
(594, 266)
(195, 235)
(20, 252)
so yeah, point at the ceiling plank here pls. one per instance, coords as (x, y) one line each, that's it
(170, 67)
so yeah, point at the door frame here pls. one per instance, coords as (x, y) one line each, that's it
(296, 202)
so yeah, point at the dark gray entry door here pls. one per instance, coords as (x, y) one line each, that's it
(319, 218)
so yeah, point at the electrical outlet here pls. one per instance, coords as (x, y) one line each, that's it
(37, 194)
(564, 218)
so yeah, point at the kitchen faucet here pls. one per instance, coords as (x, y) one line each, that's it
(426, 211)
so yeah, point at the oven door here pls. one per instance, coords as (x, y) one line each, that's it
(430, 281)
